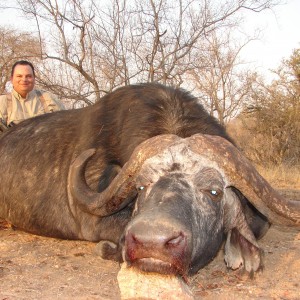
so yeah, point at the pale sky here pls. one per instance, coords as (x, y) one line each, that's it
(280, 35)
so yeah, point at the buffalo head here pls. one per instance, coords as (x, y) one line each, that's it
(187, 197)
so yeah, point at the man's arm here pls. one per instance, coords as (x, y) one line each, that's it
(3, 113)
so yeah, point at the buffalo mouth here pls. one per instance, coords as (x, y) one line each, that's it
(154, 265)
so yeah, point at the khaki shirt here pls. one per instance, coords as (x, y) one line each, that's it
(32, 106)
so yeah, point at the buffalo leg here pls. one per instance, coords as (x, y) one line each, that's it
(240, 252)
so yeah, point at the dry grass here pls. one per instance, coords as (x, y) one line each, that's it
(282, 177)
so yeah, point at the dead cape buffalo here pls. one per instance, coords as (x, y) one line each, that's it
(145, 171)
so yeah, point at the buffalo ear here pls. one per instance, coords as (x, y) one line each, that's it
(241, 248)
(257, 222)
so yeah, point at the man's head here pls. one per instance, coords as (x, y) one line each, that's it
(23, 77)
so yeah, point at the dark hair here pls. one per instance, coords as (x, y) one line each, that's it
(22, 63)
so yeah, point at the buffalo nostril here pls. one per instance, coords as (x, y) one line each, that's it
(177, 246)
(132, 246)
(176, 241)
(132, 240)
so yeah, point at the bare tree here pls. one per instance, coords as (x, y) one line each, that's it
(293, 64)
(273, 117)
(219, 77)
(106, 45)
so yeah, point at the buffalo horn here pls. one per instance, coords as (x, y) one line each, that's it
(242, 175)
(122, 189)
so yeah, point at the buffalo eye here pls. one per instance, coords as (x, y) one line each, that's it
(214, 194)
(140, 188)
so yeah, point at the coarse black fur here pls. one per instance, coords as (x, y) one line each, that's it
(136, 113)
(35, 156)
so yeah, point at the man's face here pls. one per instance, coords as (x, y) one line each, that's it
(23, 79)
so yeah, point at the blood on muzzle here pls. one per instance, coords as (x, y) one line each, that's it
(152, 247)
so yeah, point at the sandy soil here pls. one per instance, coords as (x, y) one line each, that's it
(33, 267)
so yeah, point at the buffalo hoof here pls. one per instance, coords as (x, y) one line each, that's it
(241, 253)
(108, 250)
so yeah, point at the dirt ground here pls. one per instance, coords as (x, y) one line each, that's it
(34, 267)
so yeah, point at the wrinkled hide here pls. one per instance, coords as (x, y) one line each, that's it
(183, 208)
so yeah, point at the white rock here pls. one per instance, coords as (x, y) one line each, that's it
(135, 284)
